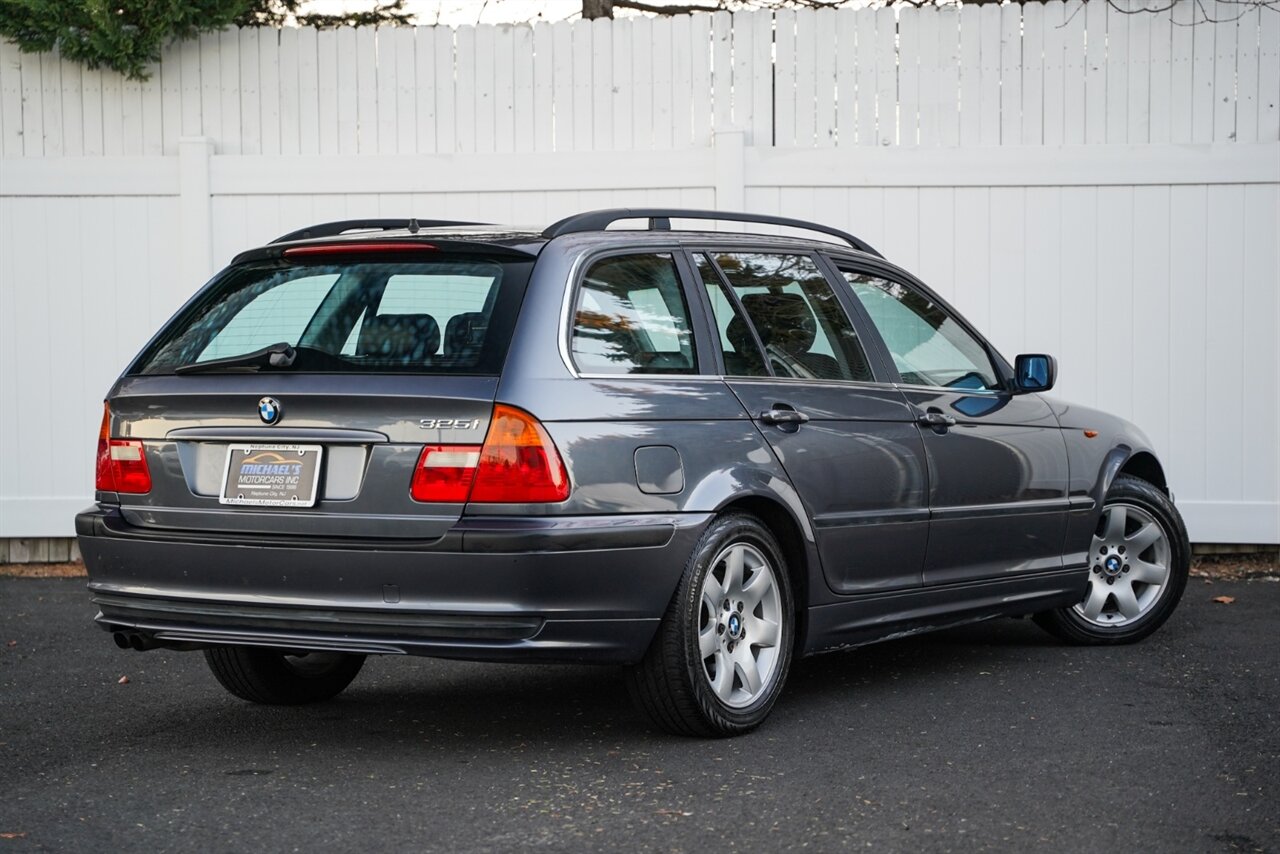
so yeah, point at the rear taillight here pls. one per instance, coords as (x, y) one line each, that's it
(445, 473)
(122, 463)
(518, 464)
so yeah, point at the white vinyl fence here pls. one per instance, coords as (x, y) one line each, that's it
(1101, 186)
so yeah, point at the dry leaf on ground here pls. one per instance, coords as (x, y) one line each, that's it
(124, 680)
(1224, 600)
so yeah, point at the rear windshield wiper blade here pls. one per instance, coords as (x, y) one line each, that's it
(279, 355)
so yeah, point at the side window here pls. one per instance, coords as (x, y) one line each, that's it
(741, 353)
(277, 312)
(797, 317)
(928, 346)
(631, 318)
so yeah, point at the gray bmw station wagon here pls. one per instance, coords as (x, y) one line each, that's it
(697, 454)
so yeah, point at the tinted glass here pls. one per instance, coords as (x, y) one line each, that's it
(741, 353)
(632, 318)
(446, 316)
(927, 345)
(797, 317)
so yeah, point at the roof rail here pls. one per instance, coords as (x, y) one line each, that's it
(660, 220)
(332, 229)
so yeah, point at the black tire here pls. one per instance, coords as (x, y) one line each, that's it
(273, 678)
(1070, 625)
(670, 683)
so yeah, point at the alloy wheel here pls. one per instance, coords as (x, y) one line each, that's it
(740, 625)
(1129, 567)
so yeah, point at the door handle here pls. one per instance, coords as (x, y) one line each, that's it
(783, 416)
(936, 419)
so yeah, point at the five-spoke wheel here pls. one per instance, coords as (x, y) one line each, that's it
(1138, 563)
(739, 625)
(1130, 557)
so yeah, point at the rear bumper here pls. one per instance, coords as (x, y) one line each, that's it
(548, 589)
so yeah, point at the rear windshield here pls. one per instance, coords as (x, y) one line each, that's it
(447, 316)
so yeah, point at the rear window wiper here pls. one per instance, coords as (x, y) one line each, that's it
(281, 355)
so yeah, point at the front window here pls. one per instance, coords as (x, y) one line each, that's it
(928, 346)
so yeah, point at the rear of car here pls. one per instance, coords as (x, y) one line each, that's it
(305, 455)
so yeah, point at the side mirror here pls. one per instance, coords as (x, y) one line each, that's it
(1034, 372)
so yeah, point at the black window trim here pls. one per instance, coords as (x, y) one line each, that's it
(713, 328)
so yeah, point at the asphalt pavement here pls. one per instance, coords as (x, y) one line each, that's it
(987, 737)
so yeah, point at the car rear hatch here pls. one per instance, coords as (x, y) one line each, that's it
(294, 395)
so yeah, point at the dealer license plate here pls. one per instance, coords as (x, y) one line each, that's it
(271, 475)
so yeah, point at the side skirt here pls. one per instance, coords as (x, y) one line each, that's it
(870, 618)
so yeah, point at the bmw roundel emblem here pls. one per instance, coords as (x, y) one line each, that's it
(269, 410)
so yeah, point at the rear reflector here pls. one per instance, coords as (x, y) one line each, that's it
(324, 249)
(518, 464)
(122, 463)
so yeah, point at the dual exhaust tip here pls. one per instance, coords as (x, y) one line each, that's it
(134, 640)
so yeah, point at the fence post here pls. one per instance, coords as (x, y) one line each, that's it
(731, 170)
(195, 213)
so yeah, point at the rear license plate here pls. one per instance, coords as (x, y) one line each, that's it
(271, 475)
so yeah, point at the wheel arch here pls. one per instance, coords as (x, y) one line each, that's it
(1144, 465)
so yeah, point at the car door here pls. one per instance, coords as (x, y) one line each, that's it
(997, 461)
(848, 443)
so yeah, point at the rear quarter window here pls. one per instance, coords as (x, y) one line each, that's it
(631, 317)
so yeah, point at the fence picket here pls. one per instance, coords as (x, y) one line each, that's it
(386, 110)
(71, 101)
(1202, 69)
(970, 75)
(543, 81)
(1010, 104)
(10, 100)
(601, 86)
(1181, 73)
(1247, 77)
(1033, 70)
(721, 69)
(304, 134)
(623, 89)
(932, 50)
(1269, 78)
(269, 85)
(250, 94)
(1160, 52)
(990, 21)
(1224, 72)
(50, 103)
(785, 80)
(1138, 98)
(909, 49)
(1075, 73)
